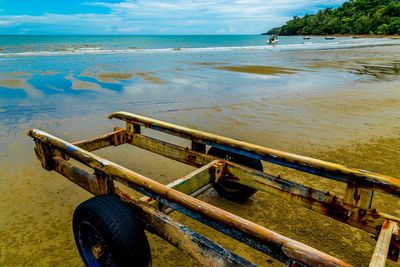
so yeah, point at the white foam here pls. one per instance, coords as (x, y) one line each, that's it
(89, 49)
(299, 46)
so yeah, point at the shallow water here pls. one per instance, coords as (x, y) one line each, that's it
(339, 105)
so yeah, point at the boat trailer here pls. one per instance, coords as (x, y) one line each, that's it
(234, 169)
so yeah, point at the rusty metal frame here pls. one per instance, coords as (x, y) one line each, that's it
(354, 209)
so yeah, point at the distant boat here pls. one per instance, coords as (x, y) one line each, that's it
(306, 37)
(329, 38)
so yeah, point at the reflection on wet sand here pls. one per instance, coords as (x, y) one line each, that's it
(17, 74)
(325, 64)
(107, 77)
(380, 68)
(113, 77)
(208, 63)
(379, 71)
(16, 83)
(49, 73)
(266, 70)
(117, 77)
(149, 77)
(19, 80)
(83, 85)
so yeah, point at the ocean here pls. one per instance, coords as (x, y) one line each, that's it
(68, 45)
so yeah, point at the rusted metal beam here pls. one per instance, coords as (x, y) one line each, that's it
(195, 245)
(382, 246)
(171, 151)
(330, 170)
(82, 178)
(369, 220)
(111, 139)
(280, 246)
(196, 193)
(194, 181)
(394, 249)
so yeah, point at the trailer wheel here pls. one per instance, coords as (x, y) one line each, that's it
(231, 190)
(107, 233)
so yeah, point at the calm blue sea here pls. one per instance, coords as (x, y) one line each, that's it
(58, 45)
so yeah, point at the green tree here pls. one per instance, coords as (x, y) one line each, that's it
(354, 16)
(383, 29)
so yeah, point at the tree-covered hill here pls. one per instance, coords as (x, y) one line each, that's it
(353, 17)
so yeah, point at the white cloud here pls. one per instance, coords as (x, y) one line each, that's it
(230, 30)
(214, 15)
(5, 23)
(177, 16)
(129, 29)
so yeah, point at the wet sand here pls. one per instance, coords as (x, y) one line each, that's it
(117, 77)
(357, 126)
(107, 77)
(266, 70)
(112, 77)
(19, 81)
(150, 77)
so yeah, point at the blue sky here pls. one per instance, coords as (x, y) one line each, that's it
(151, 16)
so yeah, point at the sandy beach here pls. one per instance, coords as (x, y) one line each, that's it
(337, 105)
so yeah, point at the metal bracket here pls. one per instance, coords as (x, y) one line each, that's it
(118, 138)
(45, 155)
(394, 248)
(217, 171)
(358, 196)
(199, 147)
(133, 128)
(105, 182)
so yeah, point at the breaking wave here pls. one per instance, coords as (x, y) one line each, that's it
(300, 46)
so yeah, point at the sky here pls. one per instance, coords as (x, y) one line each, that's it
(143, 17)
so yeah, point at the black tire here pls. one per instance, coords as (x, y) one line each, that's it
(229, 189)
(106, 224)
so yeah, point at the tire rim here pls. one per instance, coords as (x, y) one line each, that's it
(93, 247)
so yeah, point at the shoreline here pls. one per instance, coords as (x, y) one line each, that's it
(342, 35)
